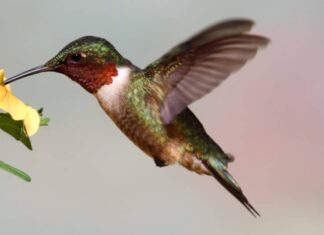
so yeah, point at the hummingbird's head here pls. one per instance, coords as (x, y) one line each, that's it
(89, 61)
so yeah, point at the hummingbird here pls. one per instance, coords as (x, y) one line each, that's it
(150, 105)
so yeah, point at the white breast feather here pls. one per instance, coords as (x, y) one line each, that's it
(109, 95)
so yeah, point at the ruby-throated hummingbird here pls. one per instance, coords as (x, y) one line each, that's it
(151, 105)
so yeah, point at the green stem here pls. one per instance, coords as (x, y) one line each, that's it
(15, 171)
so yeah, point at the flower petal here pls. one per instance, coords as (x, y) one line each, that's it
(1, 77)
(31, 122)
(17, 109)
(3, 93)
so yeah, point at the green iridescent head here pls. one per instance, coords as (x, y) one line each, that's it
(87, 48)
(89, 61)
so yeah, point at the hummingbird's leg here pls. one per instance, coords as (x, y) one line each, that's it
(159, 162)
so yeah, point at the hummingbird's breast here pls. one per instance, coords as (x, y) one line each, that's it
(133, 103)
(129, 103)
(111, 96)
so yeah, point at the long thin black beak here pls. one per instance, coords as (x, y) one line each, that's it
(38, 69)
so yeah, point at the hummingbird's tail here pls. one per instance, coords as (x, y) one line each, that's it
(218, 169)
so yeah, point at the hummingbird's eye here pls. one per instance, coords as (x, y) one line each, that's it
(76, 57)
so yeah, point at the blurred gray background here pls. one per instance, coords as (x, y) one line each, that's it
(87, 178)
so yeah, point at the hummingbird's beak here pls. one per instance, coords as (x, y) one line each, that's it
(38, 69)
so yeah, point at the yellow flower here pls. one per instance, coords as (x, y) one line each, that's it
(17, 109)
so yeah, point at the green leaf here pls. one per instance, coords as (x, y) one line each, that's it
(44, 121)
(40, 111)
(15, 171)
(15, 129)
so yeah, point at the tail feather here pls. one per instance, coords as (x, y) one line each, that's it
(219, 171)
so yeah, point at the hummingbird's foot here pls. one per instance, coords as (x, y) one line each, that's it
(159, 162)
(230, 157)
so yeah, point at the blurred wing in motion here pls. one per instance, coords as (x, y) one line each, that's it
(195, 67)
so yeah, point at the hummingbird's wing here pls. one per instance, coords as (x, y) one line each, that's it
(195, 67)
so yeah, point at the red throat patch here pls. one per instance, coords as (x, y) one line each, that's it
(92, 76)
(109, 71)
(101, 76)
